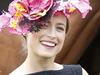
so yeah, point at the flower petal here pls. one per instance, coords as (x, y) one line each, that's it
(4, 20)
(39, 8)
(83, 6)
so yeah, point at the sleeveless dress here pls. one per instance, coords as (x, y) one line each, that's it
(67, 70)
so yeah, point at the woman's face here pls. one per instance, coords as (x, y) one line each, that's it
(49, 40)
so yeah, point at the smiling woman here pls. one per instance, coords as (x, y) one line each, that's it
(44, 23)
(48, 45)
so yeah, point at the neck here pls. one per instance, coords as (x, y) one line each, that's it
(37, 63)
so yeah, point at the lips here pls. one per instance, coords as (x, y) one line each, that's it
(48, 43)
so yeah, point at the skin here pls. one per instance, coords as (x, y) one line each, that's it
(47, 43)
(43, 47)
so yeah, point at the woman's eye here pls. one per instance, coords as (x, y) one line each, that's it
(60, 28)
(44, 26)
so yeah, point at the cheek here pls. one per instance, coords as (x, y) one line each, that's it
(61, 42)
(32, 38)
(62, 37)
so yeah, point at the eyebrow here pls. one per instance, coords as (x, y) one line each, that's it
(58, 23)
(61, 24)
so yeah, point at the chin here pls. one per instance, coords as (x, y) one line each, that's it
(47, 55)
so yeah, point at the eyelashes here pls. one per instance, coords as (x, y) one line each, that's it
(60, 29)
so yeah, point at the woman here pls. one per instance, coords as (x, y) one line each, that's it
(44, 24)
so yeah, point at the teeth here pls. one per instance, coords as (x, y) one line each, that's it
(48, 43)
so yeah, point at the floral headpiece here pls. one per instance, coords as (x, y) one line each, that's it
(35, 9)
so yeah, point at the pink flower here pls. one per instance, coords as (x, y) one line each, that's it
(14, 31)
(19, 30)
(38, 8)
(18, 6)
(11, 8)
(83, 6)
(35, 9)
(14, 27)
(32, 9)
(70, 6)
(4, 20)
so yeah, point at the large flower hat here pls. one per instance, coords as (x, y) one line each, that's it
(33, 10)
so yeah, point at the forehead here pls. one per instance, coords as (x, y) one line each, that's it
(59, 18)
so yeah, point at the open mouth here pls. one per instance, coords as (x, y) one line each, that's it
(48, 43)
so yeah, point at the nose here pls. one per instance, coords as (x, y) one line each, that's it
(51, 34)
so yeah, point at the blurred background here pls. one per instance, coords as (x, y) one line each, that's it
(82, 43)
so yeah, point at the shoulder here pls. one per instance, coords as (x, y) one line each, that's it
(73, 69)
(13, 73)
(17, 71)
(84, 72)
(76, 69)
